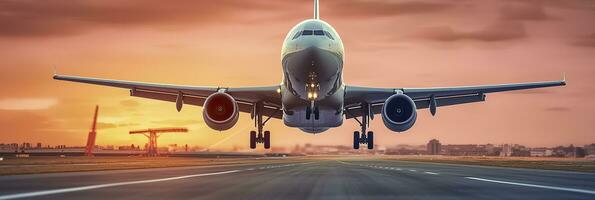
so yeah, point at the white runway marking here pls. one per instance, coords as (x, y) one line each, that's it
(432, 173)
(535, 186)
(91, 187)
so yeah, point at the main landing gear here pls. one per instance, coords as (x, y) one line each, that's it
(259, 137)
(363, 137)
(266, 139)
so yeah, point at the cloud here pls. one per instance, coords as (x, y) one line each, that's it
(104, 125)
(26, 18)
(495, 33)
(585, 41)
(16, 124)
(564, 4)
(558, 109)
(27, 103)
(524, 11)
(177, 122)
(357, 8)
(59, 18)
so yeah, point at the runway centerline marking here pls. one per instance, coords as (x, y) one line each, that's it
(108, 185)
(432, 173)
(535, 186)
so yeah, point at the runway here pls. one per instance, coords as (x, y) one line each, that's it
(306, 178)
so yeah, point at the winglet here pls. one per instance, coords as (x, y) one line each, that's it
(564, 78)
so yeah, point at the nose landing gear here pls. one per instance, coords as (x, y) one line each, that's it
(312, 109)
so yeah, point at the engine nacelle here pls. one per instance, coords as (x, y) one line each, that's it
(399, 113)
(220, 111)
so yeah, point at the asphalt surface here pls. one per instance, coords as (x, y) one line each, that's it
(338, 178)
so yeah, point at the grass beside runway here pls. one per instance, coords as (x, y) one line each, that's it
(36, 165)
(565, 164)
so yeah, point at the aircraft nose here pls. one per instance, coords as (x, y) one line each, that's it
(314, 47)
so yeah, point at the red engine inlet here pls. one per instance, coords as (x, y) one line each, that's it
(220, 111)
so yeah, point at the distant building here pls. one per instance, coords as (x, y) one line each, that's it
(405, 151)
(492, 150)
(128, 148)
(26, 145)
(589, 149)
(434, 147)
(540, 152)
(38, 145)
(506, 150)
(465, 150)
(570, 151)
(520, 151)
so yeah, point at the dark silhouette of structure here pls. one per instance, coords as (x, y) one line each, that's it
(434, 147)
(153, 134)
(92, 135)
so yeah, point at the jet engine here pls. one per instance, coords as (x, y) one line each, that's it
(220, 111)
(399, 113)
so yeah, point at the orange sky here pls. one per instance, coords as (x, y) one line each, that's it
(237, 43)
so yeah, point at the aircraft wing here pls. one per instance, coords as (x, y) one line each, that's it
(355, 96)
(246, 97)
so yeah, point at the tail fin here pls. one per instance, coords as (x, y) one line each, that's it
(316, 13)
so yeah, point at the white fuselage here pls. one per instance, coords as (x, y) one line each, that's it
(312, 60)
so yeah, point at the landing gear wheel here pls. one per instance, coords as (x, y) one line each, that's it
(370, 140)
(253, 139)
(267, 139)
(356, 140)
(259, 136)
(365, 137)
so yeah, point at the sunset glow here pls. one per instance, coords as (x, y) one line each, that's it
(237, 43)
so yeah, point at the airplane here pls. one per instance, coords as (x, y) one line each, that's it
(312, 95)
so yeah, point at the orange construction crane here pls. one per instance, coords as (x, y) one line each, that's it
(153, 134)
(92, 135)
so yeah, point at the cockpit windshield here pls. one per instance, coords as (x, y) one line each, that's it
(313, 32)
